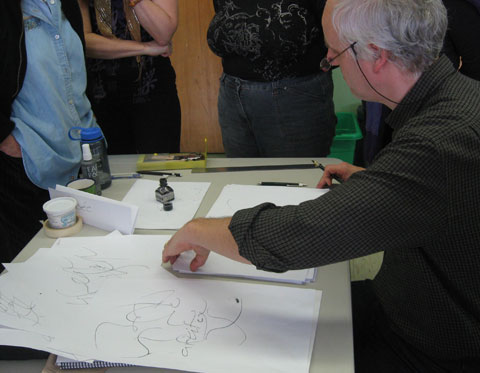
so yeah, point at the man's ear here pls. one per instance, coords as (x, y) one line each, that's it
(381, 57)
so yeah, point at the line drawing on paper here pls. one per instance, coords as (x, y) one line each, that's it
(14, 307)
(89, 270)
(166, 318)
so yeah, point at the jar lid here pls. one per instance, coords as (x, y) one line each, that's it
(59, 205)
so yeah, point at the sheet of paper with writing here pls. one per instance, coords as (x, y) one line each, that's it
(108, 298)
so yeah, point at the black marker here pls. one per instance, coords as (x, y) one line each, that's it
(279, 183)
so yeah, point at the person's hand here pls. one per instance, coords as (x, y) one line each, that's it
(169, 50)
(343, 171)
(152, 48)
(183, 241)
(11, 147)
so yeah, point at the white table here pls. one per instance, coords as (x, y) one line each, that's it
(333, 349)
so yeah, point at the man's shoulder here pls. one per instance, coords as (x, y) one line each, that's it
(454, 104)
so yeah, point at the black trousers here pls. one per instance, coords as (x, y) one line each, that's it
(20, 214)
(378, 349)
(20, 207)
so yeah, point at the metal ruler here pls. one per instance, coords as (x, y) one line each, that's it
(256, 168)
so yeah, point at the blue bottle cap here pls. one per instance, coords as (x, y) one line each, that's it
(91, 134)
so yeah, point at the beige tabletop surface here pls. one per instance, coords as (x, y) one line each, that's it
(333, 348)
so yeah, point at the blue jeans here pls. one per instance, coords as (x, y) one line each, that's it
(292, 117)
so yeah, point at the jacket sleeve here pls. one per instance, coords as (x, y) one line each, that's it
(396, 203)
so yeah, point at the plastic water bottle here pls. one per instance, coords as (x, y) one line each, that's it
(90, 168)
(93, 136)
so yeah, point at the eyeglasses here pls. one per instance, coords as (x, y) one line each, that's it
(326, 63)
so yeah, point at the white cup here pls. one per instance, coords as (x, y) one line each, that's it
(61, 212)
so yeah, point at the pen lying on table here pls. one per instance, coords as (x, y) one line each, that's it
(279, 183)
(130, 176)
(159, 173)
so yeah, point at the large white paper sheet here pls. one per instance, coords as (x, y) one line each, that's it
(21, 307)
(188, 196)
(101, 212)
(235, 197)
(138, 313)
(199, 325)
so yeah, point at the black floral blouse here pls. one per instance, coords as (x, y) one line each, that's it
(267, 40)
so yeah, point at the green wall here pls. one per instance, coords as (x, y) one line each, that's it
(342, 97)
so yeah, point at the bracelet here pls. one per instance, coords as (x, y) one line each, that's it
(132, 3)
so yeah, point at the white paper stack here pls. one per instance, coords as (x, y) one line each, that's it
(235, 197)
(218, 265)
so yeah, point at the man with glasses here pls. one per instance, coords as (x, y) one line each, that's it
(419, 201)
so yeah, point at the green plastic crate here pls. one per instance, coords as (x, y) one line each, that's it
(346, 135)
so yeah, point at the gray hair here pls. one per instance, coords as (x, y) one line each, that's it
(412, 31)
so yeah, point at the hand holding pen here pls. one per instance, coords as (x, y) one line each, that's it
(340, 172)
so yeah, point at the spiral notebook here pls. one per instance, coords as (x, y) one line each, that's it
(65, 364)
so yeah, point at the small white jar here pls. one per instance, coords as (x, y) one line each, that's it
(61, 212)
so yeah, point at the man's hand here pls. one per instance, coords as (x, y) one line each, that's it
(343, 171)
(182, 241)
(202, 236)
(11, 147)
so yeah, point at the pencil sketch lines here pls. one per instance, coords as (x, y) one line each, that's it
(89, 270)
(84, 206)
(169, 322)
(18, 309)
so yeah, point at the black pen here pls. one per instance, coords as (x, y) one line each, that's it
(159, 173)
(279, 183)
(322, 167)
(131, 176)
